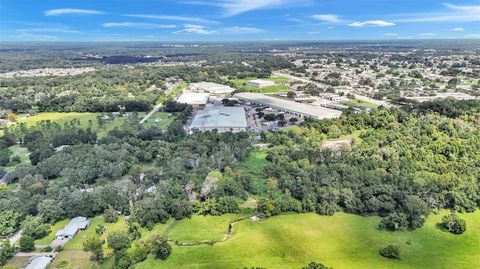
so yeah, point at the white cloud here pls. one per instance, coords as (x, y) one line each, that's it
(242, 30)
(138, 25)
(327, 18)
(454, 13)
(172, 18)
(196, 29)
(235, 7)
(374, 23)
(458, 29)
(72, 11)
(35, 37)
(472, 36)
(64, 30)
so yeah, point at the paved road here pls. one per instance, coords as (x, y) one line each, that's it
(319, 84)
(16, 237)
(32, 254)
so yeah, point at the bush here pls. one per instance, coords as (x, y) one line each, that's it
(59, 249)
(394, 222)
(110, 215)
(27, 243)
(48, 249)
(316, 265)
(391, 252)
(160, 247)
(452, 224)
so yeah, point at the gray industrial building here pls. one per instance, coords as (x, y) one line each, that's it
(290, 107)
(221, 118)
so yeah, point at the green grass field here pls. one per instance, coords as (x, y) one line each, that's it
(280, 87)
(359, 103)
(253, 166)
(340, 241)
(20, 152)
(160, 119)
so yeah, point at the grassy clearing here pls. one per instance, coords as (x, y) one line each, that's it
(242, 85)
(360, 103)
(51, 236)
(202, 228)
(177, 90)
(77, 242)
(20, 152)
(158, 229)
(71, 259)
(340, 241)
(160, 119)
(253, 166)
(18, 262)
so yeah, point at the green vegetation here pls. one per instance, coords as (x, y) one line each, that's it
(253, 167)
(241, 84)
(22, 153)
(159, 119)
(340, 241)
(360, 104)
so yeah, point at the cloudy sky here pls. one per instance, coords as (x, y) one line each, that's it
(181, 20)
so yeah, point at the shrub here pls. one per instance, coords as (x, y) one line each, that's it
(160, 247)
(47, 249)
(27, 243)
(391, 252)
(394, 222)
(316, 265)
(110, 215)
(453, 224)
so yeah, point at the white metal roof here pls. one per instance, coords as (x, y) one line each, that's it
(73, 226)
(194, 98)
(290, 106)
(220, 117)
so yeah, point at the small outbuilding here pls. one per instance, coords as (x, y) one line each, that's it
(73, 227)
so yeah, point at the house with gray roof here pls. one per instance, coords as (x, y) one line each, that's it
(73, 227)
(39, 262)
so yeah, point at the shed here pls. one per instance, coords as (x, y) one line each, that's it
(39, 262)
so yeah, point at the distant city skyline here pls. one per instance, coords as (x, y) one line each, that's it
(243, 20)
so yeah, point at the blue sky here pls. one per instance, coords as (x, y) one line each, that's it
(183, 20)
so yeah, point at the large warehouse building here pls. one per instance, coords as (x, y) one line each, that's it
(221, 118)
(291, 107)
(197, 100)
(210, 87)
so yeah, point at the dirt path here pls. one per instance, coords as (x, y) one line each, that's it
(155, 109)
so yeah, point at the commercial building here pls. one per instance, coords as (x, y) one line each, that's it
(39, 262)
(260, 83)
(298, 109)
(331, 97)
(210, 87)
(221, 118)
(73, 227)
(197, 100)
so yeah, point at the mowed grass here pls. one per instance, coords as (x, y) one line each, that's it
(21, 152)
(75, 259)
(159, 119)
(242, 85)
(201, 228)
(342, 241)
(77, 242)
(53, 230)
(360, 104)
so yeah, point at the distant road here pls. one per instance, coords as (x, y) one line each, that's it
(319, 84)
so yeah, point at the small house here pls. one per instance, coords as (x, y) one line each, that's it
(39, 262)
(72, 228)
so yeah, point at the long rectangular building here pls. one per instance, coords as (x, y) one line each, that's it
(220, 118)
(291, 107)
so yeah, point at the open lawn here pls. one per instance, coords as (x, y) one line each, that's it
(20, 152)
(159, 119)
(359, 103)
(53, 230)
(342, 241)
(202, 228)
(71, 259)
(85, 119)
(18, 262)
(241, 84)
